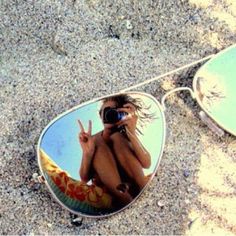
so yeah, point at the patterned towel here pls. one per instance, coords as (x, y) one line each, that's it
(76, 195)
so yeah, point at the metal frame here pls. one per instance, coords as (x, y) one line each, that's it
(87, 103)
(161, 107)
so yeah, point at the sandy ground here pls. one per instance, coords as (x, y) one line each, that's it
(55, 54)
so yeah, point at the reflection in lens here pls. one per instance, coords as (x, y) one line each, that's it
(215, 87)
(78, 196)
(97, 167)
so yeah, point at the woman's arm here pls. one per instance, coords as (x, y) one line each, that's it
(130, 122)
(85, 167)
(141, 153)
(87, 143)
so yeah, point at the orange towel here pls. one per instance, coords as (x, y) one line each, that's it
(91, 194)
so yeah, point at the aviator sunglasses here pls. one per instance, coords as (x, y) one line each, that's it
(98, 157)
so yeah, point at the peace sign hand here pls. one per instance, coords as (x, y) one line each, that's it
(86, 140)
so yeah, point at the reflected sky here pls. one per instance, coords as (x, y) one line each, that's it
(60, 140)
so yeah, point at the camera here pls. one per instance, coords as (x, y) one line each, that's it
(111, 115)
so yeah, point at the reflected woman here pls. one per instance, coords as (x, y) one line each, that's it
(114, 157)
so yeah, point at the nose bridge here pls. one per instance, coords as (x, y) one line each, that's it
(174, 91)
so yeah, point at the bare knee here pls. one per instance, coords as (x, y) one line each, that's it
(103, 156)
(104, 164)
(124, 154)
(127, 159)
(119, 138)
(120, 144)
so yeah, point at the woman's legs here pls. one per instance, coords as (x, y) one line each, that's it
(105, 166)
(128, 160)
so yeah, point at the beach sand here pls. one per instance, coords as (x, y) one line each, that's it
(57, 54)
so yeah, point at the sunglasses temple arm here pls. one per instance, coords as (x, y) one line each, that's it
(174, 91)
(168, 73)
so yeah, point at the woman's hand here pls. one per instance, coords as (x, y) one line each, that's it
(130, 120)
(86, 140)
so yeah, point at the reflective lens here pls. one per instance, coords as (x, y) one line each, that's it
(215, 87)
(98, 157)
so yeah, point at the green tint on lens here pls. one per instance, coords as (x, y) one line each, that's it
(215, 88)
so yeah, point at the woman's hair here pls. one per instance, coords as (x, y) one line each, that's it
(142, 111)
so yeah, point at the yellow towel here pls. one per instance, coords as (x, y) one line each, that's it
(90, 194)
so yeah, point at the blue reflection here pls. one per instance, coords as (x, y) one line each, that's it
(60, 141)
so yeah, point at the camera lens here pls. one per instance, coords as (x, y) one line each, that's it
(111, 115)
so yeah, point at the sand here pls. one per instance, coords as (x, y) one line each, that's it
(57, 54)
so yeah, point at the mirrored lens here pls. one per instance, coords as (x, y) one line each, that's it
(215, 87)
(96, 163)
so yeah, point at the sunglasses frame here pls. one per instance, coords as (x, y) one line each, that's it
(42, 178)
(205, 117)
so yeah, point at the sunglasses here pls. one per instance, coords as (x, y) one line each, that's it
(97, 158)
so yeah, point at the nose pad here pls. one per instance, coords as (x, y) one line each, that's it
(211, 124)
